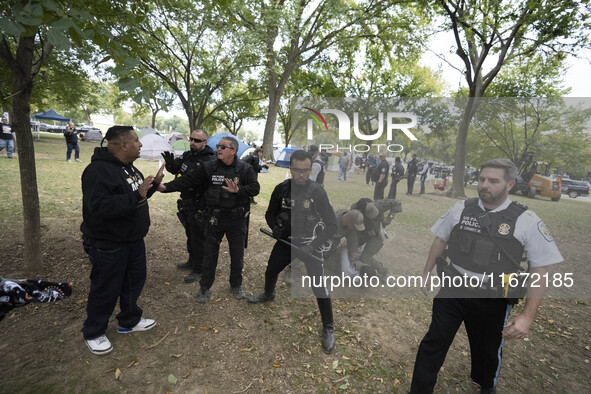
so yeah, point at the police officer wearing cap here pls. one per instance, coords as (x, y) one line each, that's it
(190, 205)
(483, 235)
(376, 216)
(227, 184)
(299, 212)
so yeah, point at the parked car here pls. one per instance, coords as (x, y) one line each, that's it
(85, 129)
(574, 188)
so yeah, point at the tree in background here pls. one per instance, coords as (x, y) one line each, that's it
(489, 35)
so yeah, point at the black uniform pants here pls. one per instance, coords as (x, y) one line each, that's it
(234, 227)
(378, 191)
(392, 192)
(369, 174)
(281, 256)
(117, 274)
(195, 236)
(410, 182)
(484, 319)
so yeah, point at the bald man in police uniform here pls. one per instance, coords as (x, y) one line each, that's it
(483, 236)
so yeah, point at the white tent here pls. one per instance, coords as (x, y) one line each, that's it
(152, 147)
(174, 137)
(146, 131)
(93, 135)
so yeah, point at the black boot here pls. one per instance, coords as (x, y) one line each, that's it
(268, 295)
(325, 306)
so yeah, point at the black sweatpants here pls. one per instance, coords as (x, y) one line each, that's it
(484, 319)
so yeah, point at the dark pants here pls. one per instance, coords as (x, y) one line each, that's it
(117, 274)
(410, 183)
(484, 319)
(195, 235)
(423, 179)
(234, 227)
(76, 149)
(369, 174)
(281, 256)
(392, 192)
(378, 191)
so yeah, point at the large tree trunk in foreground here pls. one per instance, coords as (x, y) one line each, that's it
(22, 85)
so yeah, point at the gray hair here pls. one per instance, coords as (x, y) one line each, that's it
(233, 142)
(507, 165)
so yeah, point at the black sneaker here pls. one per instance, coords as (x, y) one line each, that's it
(238, 292)
(203, 296)
(183, 266)
(193, 277)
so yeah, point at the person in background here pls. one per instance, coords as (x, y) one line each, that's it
(7, 137)
(71, 135)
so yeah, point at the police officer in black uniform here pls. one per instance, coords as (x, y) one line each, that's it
(227, 185)
(190, 203)
(485, 238)
(298, 209)
(411, 170)
(317, 174)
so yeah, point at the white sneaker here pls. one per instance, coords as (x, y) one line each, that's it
(99, 345)
(143, 325)
(69, 161)
(79, 161)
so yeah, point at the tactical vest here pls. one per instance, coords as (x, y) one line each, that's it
(320, 176)
(215, 196)
(471, 248)
(302, 210)
(190, 162)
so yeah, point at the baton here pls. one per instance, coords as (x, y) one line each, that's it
(297, 249)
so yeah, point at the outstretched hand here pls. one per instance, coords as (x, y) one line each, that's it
(146, 185)
(159, 174)
(168, 157)
(230, 186)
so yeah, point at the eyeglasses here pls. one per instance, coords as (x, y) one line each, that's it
(197, 140)
(300, 171)
(223, 147)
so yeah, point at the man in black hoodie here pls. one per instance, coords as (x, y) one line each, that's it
(116, 219)
(191, 204)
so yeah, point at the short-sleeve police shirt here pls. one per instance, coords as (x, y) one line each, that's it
(530, 230)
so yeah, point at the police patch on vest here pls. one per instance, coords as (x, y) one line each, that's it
(504, 229)
(306, 204)
(217, 179)
(445, 213)
(545, 233)
(236, 180)
(470, 223)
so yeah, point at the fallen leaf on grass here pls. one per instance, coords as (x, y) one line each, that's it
(176, 355)
(130, 364)
(344, 386)
(276, 365)
(172, 379)
(335, 364)
(117, 374)
(249, 349)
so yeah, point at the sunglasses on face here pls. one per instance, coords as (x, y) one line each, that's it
(223, 147)
(197, 140)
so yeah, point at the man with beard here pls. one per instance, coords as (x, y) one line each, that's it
(191, 205)
(296, 210)
(485, 238)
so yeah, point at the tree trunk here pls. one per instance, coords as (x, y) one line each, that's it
(274, 100)
(22, 85)
(457, 189)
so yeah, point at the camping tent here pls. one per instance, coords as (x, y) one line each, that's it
(285, 155)
(181, 146)
(243, 149)
(93, 135)
(51, 115)
(146, 131)
(152, 147)
(174, 137)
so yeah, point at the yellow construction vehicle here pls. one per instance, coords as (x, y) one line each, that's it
(530, 181)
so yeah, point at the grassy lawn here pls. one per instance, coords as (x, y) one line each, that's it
(229, 346)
